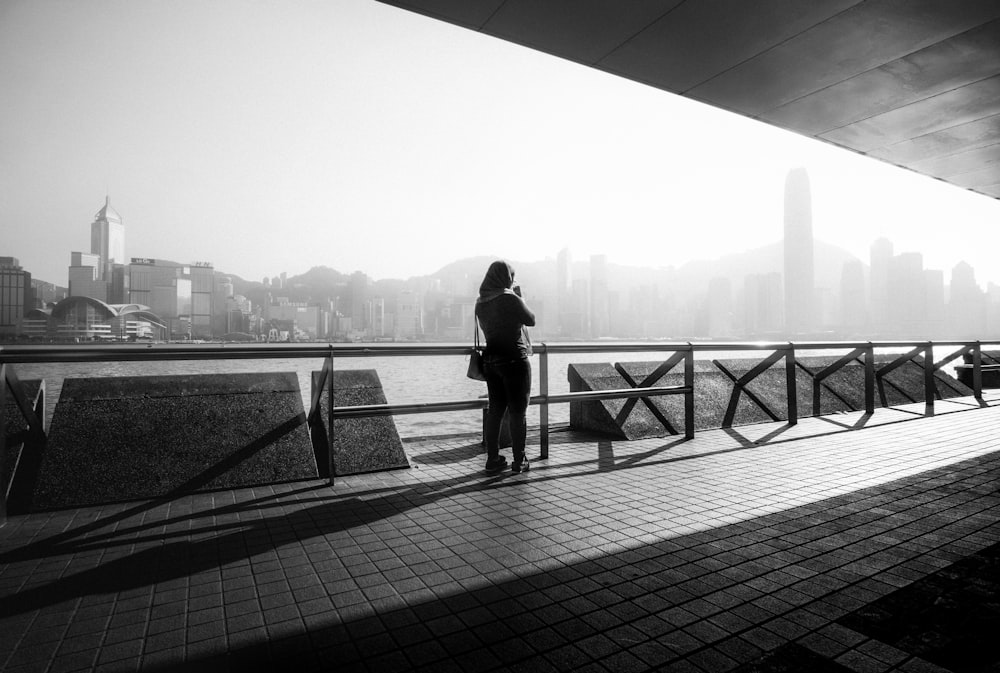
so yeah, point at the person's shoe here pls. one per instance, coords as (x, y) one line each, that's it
(495, 464)
(520, 465)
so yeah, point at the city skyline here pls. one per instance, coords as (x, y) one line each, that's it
(355, 135)
(802, 288)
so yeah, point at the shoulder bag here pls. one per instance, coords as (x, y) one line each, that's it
(476, 359)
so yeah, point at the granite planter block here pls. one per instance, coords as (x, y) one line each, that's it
(768, 392)
(359, 444)
(139, 437)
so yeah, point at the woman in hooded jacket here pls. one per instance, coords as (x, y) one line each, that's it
(503, 315)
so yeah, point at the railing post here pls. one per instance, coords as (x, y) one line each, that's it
(870, 379)
(331, 463)
(791, 388)
(929, 389)
(543, 390)
(977, 371)
(689, 395)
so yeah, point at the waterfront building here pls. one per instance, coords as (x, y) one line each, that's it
(16, 297)
(165, 288)
(202, 299)
(298, 318)
(409, 315)
(798, 254)
(85, 276)
(118, 285)
(377, 317)
(47, 293)
(89, 319)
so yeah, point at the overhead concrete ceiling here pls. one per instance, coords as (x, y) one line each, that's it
(915, 83)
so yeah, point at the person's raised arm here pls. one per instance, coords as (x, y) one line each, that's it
(528, 316)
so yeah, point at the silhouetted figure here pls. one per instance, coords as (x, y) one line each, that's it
(503, 315)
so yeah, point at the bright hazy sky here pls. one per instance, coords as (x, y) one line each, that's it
(276, 136)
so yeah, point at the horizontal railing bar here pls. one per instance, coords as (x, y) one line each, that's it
(620, 394)
(21, 354)
(364, 410)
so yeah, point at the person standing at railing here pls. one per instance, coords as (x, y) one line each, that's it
(504, 317)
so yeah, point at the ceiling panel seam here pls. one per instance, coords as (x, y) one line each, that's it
(918, 102)
(496, 11)
(870, 70)
(639, 32)
(947, 154)
(770, 48)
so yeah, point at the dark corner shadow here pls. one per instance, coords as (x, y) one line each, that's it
(529, 607)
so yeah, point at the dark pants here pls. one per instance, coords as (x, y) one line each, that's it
(508, 383)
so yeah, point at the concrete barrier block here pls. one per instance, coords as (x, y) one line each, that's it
(139, 437)
(361, 445)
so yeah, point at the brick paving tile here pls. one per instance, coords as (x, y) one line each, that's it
(713, 554)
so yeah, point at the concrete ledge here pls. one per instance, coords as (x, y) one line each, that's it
(359, 444)
(130, 438)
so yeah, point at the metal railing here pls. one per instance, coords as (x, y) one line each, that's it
(33, 414)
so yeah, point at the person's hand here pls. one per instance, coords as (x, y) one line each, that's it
(517, 289)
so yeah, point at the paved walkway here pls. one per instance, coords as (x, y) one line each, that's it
(839, 544)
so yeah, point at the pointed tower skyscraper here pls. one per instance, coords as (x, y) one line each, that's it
(107, 238)
(799, 275)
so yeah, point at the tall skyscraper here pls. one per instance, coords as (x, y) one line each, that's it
(107, 239)
(799, 278)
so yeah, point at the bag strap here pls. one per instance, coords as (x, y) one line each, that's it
(475, 328)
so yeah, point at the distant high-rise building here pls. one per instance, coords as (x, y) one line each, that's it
(880, 259)
(799, 275)
(202, 299)
(85, 276)
(720, 307)
(16, 296)
(853, 298)
(763, 304)
(966, 303)
(166, 289)
(599, 314)
(908, 294)
(934, 304)
(107, 239)
(359, 292)
(564, 289)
